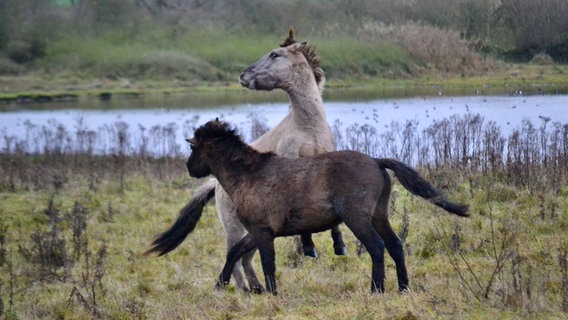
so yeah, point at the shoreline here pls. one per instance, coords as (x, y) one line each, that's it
(532, 79)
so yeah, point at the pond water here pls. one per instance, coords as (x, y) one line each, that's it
(182, 113)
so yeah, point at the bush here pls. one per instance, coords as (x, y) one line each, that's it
(542, 59)
(535, 26)
(443, 49)
(9, 67)
(24, 51)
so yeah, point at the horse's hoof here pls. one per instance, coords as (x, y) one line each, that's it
(257, 290)
(311, 252)
(220, 285)
(404, 290)
(342, 251)
(377, 288)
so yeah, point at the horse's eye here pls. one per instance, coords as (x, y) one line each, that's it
(274, 55)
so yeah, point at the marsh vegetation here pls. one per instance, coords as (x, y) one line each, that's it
(74, 225)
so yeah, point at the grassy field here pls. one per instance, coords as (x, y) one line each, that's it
(73, 228)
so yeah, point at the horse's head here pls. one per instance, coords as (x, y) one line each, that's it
(274, 70)
(202, 146)
(277, 69)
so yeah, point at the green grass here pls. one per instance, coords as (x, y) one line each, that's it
(150, 58)
(347, 57)
(180, 285)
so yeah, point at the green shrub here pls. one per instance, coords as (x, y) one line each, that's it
(9, 67)
(535, 26)
(24, 51)
(542, 59)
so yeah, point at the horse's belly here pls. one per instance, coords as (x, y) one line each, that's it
(307, 222)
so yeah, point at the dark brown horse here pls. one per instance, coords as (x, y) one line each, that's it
(276, 196)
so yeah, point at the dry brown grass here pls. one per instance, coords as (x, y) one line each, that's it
(442, 49)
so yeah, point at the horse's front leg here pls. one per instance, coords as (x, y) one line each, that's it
(245, 245)
(265, 242)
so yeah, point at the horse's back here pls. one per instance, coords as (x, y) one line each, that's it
(298, 196)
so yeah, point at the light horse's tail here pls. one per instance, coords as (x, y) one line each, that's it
(186, 221)
(413, 182)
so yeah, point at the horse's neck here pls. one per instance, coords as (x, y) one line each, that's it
(306, 105)
(306, 118)
(229, 179)
(234, 167)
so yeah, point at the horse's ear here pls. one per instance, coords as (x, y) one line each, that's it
(290, 40)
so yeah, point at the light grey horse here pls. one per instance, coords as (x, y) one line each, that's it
(304, 131)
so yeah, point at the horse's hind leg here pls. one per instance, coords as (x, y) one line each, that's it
(254, 283)
(242, 247)
(309, 249)
(338, 244)
(376, 248)
(396, 251)
(364, 231)
(392, 242)
(238, 276)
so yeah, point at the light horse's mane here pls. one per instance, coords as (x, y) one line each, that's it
(309, 52)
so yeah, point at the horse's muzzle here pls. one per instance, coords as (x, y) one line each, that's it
(244, 82)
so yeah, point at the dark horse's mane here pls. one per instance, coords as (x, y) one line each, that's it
(223, 138)
(309, 53)
(215, 130)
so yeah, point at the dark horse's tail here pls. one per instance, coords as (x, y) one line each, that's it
(186, 221)
(414, 183)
